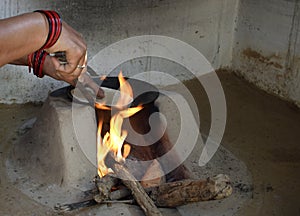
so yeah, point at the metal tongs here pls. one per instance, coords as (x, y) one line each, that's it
(84, 81)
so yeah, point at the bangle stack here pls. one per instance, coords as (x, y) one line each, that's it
(36, 60)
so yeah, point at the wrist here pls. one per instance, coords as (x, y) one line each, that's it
(54, 27)
(36, 60)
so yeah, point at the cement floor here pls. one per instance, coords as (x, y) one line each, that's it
(262, 131)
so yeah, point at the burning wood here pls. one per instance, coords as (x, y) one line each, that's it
(169, 195)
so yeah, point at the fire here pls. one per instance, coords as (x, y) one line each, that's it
(113, 140)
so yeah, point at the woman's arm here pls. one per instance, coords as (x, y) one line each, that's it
(21, 35)
(24, 34)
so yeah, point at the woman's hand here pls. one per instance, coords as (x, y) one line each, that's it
(49, 70)
(72, 44)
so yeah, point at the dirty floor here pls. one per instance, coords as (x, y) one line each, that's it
(262, 131)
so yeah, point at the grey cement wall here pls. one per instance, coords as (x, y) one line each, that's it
(266, 46)
(206, 25)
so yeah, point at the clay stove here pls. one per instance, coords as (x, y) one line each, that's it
(50, 156)
(49, 165)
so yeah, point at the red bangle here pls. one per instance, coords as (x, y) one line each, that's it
(55, 27)
(40, 64)
(36, 60)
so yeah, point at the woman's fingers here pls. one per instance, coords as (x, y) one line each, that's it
(74, 66)
(72, 44)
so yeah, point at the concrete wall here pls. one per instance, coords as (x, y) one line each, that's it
(207, 25)
(266, 46)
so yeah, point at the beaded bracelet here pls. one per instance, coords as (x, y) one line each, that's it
(36, 60)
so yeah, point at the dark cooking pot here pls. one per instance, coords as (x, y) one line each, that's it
(143, 92)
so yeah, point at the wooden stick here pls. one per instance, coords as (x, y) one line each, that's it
(178, 193)
(141, 197)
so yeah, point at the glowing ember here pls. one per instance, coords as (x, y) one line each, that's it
(113, 140)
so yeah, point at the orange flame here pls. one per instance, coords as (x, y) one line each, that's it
(113, 140)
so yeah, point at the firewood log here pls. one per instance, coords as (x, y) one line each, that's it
(178, 193)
